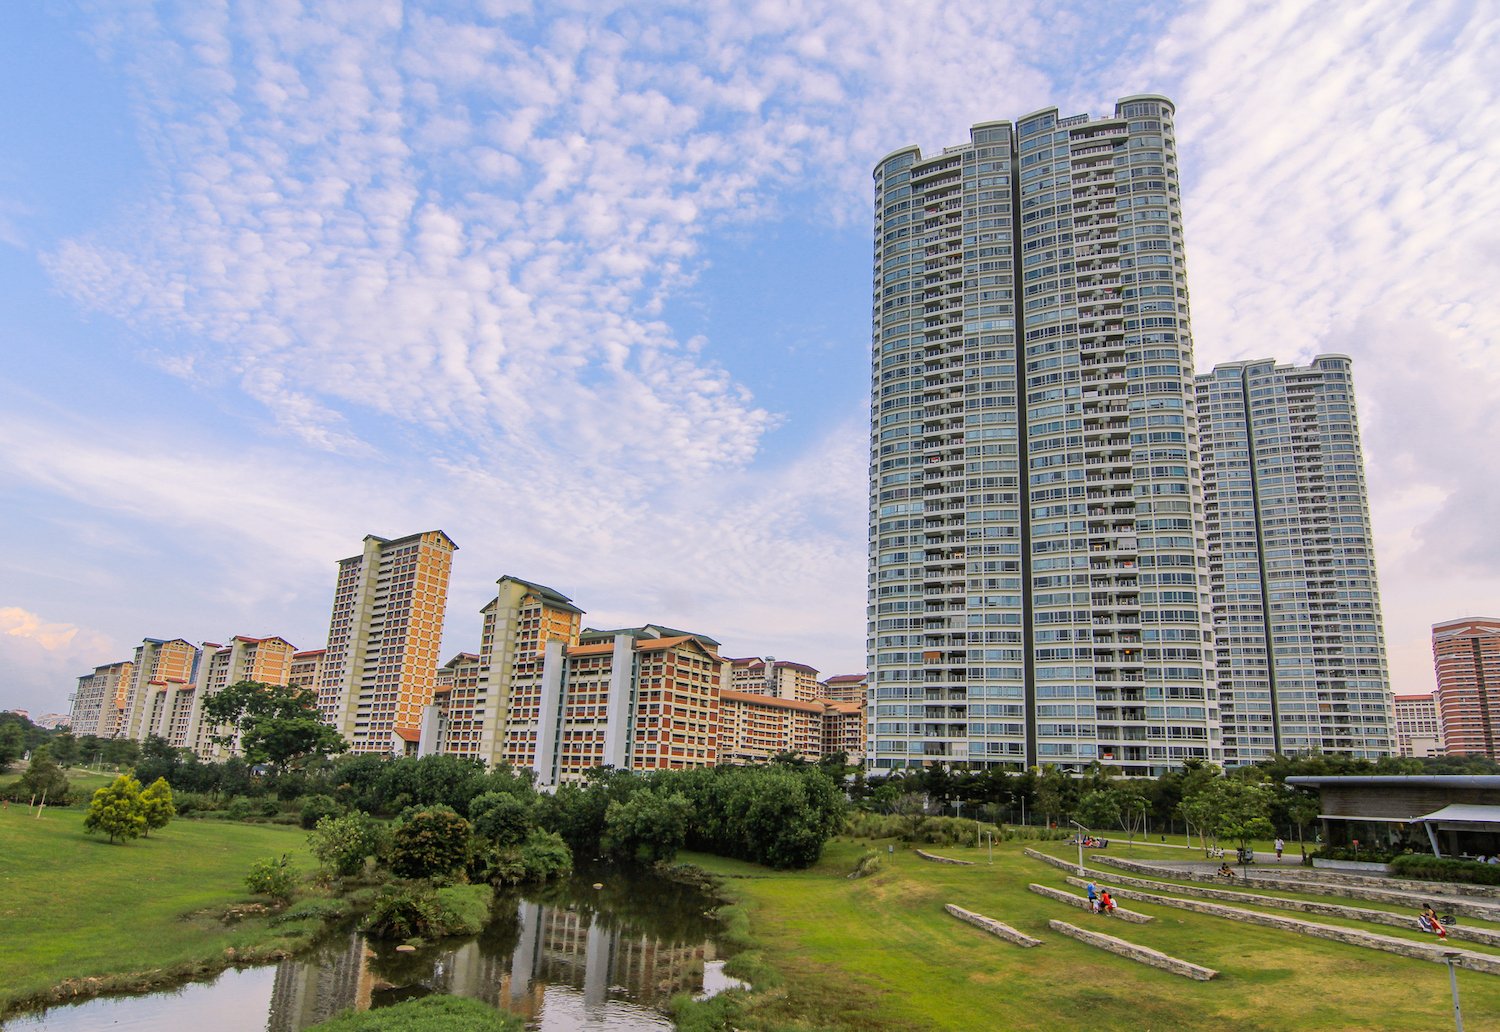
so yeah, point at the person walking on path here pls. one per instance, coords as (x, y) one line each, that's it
(1280, 845)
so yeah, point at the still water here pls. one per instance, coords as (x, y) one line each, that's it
(564, 957)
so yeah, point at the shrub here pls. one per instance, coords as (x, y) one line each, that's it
(318, 909)
(404, 911)
(117, 810)
(1364, 854)
(272, 877)
(157, 804)
(239, 809)
(193, 803)
(868, 864)
(430, 843)
(342, 843)
(1431, 868)
(545, 855)
(315, 808)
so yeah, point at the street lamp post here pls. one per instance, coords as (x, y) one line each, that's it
(1081, 832)
(1452, 960)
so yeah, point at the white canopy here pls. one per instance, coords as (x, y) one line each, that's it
(1462, 813)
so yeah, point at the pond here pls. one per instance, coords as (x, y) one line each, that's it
(566, 956)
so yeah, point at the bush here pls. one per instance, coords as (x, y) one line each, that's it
(315, 808)
(313, 910)
(270, 808)
(545, 855)
(1364, 854)
(869, 863)
(117, 810)
(195, 803)
(430, 843)
(1431, 868)
(239, 809)
(274, 878)
(404, 911)
(342, 843)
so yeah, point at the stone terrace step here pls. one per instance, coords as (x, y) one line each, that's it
(1483, 962)
(1133, 951)
(1468, 907)
(1385, 917)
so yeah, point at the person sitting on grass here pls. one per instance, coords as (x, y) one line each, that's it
(1428, 920)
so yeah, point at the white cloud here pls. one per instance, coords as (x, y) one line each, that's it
(441, 245)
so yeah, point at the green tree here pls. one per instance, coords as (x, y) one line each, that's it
(12, 741)
(341, 844)
(1302, 812)
(117, 810)
(432, 842)
(157, 805)
(647, 828)
(502, 818)
(44, 779)
(270, 723)
(1234, 808)
(1056, 793)
(64, 747)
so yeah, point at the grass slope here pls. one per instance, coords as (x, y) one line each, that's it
(879, 954)
(72, 906)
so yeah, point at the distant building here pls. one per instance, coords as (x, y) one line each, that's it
(844, 688)
(757, 728)
(638, 698)
(779, 680)
(456, 710)
(100, 699)
(307, 668)
(263, 660)
(1298, 635)
(164, 678)
(380, 666)
(1466, 654)
(1418, 732)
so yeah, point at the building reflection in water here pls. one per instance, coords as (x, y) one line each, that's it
(608, 963)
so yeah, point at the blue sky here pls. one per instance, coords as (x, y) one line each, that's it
(587, 287)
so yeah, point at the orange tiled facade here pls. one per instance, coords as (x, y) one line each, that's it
(380, 667)
(1466, 654)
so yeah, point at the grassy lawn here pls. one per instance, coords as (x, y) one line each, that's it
(72, 906)
(84, 782)
(880, 954)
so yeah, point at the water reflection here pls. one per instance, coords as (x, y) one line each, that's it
(570, 958)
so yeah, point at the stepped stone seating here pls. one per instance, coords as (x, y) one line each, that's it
(1133, 951)
(942, 859)
(1487, 963)
(1467, 933)
(1082, 903)
(989, 924)
(1468, 907)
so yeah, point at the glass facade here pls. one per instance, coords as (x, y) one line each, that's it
(1301, 643)
(1037, 587)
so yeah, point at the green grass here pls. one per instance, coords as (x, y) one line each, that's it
(880, 954)
(428, 1014)
(74, 907)
(83, 782)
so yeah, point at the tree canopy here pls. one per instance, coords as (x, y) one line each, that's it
(272, 724)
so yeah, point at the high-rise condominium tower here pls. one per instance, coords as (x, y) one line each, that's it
(381, 663)
(1038, 560)
(1301, 645)
(1466, 653)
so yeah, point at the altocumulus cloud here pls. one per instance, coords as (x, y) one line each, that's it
(466, 225)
